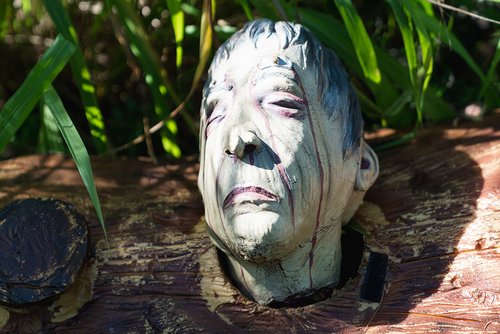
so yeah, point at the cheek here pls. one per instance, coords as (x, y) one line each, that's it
(297, 153)
(211, 167)
(287, 138)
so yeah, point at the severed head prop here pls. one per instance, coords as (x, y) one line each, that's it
(283, 160)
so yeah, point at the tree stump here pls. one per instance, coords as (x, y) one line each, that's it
(434, 211)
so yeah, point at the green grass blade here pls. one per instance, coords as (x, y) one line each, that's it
(76, 148)
(141, 48)
(206, 39)
(177, 17)
(168, 138)
(491, 71)
(425, 39)
(27, 12)
(395, 143)
(367, 106)
(406, 29)
(156, 79)
(267, 9)
(416, 10)
(5, 17)
(246, 8)
(436, 109)
(26, 5)
(18, 107)
(81, 74)
(191, 10)
(427, 59)
(434, 26)
(398, 104)
(332, 33)
(49, 138)
(360, 39)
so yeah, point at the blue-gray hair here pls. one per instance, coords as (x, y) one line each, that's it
(337, 96)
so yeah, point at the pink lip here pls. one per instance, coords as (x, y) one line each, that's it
(249, 193)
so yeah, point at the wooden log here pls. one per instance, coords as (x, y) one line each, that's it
(435, 212)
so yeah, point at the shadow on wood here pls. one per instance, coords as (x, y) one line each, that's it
(434, 211)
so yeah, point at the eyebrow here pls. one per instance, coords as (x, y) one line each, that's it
(210, 89)
(221, 86)
(277, 71)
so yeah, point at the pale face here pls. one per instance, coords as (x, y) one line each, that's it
(267, 168)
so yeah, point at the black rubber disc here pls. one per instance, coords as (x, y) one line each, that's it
(43, 245)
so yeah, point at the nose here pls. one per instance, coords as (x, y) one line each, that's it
(241, 143)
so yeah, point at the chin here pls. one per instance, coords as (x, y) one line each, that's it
(262, 236)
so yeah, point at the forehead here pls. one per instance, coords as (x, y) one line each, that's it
(246, 61)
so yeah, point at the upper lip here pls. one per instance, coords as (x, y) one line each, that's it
(258, 192)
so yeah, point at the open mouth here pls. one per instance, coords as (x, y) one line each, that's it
(250, 194)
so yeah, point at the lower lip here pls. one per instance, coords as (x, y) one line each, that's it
(244, 208)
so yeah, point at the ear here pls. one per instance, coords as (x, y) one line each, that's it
(368, 168)
(365, 177)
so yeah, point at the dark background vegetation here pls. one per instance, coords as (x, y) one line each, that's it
(125, 99)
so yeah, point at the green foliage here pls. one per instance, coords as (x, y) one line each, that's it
(49, 137)
(391, 50)
(76, 147)
(81, 74)
(18, 107)
(360, 39)
(488, 80)
(174, 6)
(155, 77)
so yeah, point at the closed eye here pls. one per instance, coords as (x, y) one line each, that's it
(289, 104)
(210, 105)
(285, 104)
(215, 117)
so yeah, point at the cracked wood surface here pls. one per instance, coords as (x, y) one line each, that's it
(435, 211)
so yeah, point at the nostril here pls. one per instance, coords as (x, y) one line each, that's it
(228, 152)
(249, 148)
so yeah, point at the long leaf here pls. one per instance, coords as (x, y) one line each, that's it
(76, 148)
(49, 137)
(426, 39)
(267, 9)
(333, 34)
(406, 28)
(5, 16)
(206, 39)
(18, 107)
(416, 10)
(81, 74)
(177, 17)
(246, 8)
(360, 39)
(398, 105)
(491, 71)
(438, 29)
